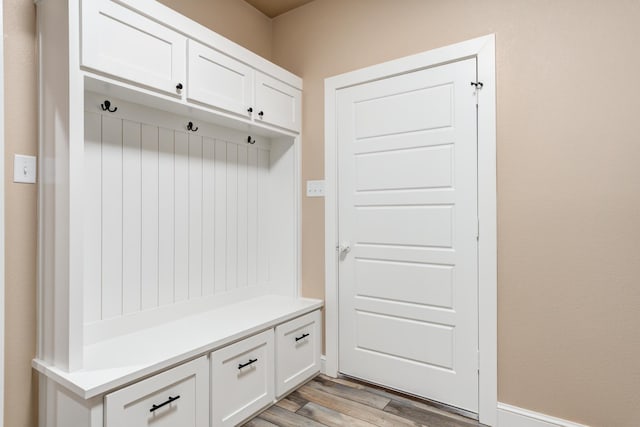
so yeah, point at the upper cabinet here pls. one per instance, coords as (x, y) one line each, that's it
(129, 46)
(218, 80)
(122, 42)
(277, 103)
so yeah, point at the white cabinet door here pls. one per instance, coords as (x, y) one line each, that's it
(242, 379)
(297, 351)
(277, 103)
(177, 397)
(121, 43)
(218, 80)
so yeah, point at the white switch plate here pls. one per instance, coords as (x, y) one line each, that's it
(315, 188)
(24, 169)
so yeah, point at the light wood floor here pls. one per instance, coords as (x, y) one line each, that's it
(326, 401)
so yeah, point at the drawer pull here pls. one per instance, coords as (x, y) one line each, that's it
(169, 400)
(303, 336)
(250, 362)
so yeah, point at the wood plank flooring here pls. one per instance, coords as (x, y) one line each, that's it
(326, 401)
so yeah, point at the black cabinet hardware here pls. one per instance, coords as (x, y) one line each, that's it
(251, 141)
(301, 337)
(179, 86)
(106, 106)
(166, 402)
(191, 127)
(244, 365)
(261, 114)
(478, 85)
(250, 110)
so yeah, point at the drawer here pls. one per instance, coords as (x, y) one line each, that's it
(297, 351)
(242, 379)
(177, 397)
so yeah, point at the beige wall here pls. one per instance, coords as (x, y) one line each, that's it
(568, 177)
(21, 130)
(234, 19)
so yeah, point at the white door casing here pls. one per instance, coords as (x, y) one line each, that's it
(1, 224)
(483, 50)
(408, 211)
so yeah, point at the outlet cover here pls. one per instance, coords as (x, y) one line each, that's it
(24, 169)
(315, 188)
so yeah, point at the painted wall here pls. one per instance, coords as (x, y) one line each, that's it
(21, 137)
(568, 177)
(234, 19)
(231, 18)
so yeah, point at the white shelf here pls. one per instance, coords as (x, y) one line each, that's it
(119, 361)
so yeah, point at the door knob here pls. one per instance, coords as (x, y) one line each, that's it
(344, 247)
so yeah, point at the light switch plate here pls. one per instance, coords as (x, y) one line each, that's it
(24, 169)
(315, 188)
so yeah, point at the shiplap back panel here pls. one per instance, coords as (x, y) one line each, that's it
(172, 216)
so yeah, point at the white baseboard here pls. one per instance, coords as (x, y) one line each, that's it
(323, 364)
(512, 416)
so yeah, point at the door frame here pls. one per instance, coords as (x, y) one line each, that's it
(2, 299)
(483, 49)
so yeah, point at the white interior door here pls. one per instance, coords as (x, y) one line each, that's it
(408, 270)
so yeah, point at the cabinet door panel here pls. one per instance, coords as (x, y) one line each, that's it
(297, 351)
(177, 397)
(121, 43)
(242, 379)
(279, 102)
(219, 81)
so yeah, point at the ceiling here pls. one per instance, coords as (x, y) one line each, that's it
(273, 8)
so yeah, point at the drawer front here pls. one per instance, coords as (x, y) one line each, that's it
(242, 379)
(177, 397)
(297, 351)
(218, 80)
(121, 43)
(278, 102)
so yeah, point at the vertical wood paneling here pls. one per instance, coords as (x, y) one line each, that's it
(208, 216)
(181, 223)
(111, 217)
(166, 216)
(150, 217)
(92, 217)
(252, 217)
(220, 216)
(232, 216)
(263, 216)
(131, 216)
(242, 216)
(171, 216)
(195, 216)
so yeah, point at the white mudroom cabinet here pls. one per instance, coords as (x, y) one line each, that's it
(169, 234)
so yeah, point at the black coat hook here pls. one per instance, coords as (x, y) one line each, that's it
(107, 106)
(250, 141)
(191, 127)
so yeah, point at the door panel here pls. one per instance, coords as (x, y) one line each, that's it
(407, 166)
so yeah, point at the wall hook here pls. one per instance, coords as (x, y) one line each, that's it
(250, 141)
(191, 127)
(107, 106)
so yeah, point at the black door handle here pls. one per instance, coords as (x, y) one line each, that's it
(250, 362)
(303, 336)
(166, 402)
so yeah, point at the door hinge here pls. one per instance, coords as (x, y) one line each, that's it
(478, 231)
(478, 362)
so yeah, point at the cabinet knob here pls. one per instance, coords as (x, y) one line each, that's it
(179, 86)
(261, 114)
(250, 110)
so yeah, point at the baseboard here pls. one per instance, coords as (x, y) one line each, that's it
(512, 416)
(323, 364)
